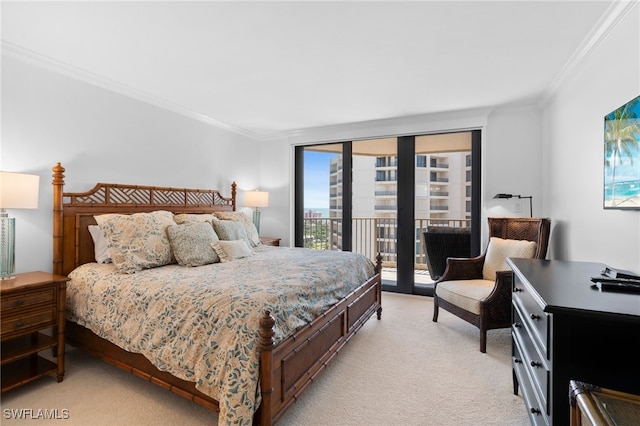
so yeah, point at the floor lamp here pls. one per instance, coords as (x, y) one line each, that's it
(17, 191)
(256, 199)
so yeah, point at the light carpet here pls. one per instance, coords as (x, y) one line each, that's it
(401, 370)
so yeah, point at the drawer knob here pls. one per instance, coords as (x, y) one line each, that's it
(19, 302)
(517, 324)
(534, 317)
(19, 323)
(517, 289)
(536, 364)
(517, 360)
(535, 410)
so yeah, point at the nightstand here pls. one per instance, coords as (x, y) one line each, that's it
(31, 303)
(270, 241)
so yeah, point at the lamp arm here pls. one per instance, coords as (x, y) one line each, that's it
(530, 197)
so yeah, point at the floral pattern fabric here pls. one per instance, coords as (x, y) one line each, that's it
(201, 323)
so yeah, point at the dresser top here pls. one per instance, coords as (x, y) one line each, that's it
(566, 286)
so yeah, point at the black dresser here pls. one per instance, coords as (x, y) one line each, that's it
(564, 329)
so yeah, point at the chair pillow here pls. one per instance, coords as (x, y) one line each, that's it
(498, 251)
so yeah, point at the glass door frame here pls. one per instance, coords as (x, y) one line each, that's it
(406, 233)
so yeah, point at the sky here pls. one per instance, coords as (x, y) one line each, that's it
(316, 179)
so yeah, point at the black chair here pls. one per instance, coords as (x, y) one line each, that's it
(441, 242)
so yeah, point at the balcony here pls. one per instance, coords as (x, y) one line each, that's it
(372, 236)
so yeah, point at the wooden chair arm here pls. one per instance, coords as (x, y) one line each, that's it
(503, 287)
(463, 269)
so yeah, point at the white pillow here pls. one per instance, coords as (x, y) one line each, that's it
(231, 250)
(498, 251)
(100, 247)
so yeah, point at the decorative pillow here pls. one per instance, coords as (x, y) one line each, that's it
(499, 249)
(138, 241)
(191, 243)
(229, 230)
(249, 227)
(100, 247)
(231, 250)
(192, 217)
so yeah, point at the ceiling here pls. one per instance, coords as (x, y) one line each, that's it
(266, 68)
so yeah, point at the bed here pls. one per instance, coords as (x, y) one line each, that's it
(289, 342)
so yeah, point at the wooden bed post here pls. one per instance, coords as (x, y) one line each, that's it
(58, 222)
(266, 367)
(233, 195)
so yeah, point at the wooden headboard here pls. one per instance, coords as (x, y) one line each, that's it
(73, 212)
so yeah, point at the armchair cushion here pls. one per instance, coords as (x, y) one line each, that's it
(498, 251)
(466, 294)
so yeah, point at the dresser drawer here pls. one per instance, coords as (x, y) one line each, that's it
(28, 321)
(535, 364)
(535, 319)
(535, 408)
(28, 299)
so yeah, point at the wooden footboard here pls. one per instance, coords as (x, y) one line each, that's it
(288, 369)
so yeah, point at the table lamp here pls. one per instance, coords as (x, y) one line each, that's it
(17, 191)
(256, 199)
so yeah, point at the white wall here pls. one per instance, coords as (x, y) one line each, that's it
(101, 136)
(573, 153)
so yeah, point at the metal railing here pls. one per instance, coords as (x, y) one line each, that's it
(371, 236)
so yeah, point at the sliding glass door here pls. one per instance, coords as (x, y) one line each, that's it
(379, 195)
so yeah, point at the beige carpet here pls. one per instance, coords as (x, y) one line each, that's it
(402, 370)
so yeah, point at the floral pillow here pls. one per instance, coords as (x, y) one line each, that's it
(228, 230)
(138, 241)
(191, 243)
(193, 217)
(231, 250)
(249, 227)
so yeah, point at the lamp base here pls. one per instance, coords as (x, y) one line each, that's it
(256, 219)
(7, 248)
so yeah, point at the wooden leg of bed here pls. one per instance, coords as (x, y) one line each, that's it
(266, 367)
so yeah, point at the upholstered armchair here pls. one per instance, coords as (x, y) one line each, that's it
(478, 289)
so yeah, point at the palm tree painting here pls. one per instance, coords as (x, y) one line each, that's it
(622, 157)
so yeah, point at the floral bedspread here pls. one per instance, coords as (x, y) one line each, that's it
(201, 323)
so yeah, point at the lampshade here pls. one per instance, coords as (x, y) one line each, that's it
(256, 199)
(504, 196)
(19, 191)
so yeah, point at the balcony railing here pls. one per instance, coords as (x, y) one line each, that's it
(371, 236)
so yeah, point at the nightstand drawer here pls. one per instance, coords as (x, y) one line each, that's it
(28, 321)
(28, 299)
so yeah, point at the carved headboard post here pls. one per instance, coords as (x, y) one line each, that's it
(233, 195)
(58, 185)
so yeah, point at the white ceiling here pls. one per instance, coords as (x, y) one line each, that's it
(264, 68)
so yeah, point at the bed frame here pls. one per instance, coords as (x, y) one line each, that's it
(286, 369)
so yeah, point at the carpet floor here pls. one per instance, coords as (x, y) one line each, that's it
(401, 370)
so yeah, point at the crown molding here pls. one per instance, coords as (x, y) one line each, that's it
(458, 120)
(615, 14)
(59, 67)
